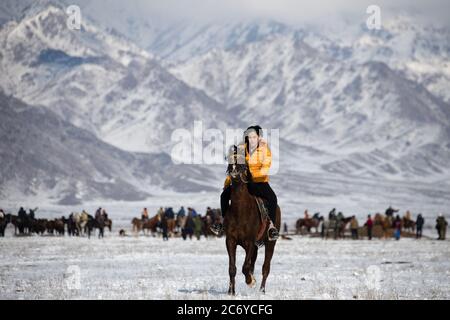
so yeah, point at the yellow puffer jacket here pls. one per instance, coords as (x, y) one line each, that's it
(259, 163)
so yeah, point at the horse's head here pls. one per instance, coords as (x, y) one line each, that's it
(237, 165)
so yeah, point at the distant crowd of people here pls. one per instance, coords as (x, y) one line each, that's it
(184, 223)
(76, 224)
(189, 223)
(388, 222)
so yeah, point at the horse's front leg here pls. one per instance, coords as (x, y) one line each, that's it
(247, 267)
(254, 256)
(231, 248)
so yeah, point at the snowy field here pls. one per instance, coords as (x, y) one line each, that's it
(46, 267)
(41, 267)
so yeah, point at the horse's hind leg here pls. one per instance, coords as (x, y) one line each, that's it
(231, 248)
(270, 246)
(247, 267)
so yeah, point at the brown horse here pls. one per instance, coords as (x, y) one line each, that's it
(308, 224)
(242, 223)
(387, 226)
(108, 224)
(342, 226)
(151, 224)
(148, 224)
(171, 225)
(137, 225)
(408, 224)
(206, 226)
(378, 220)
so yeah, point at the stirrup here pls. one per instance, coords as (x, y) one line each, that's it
(273, 234)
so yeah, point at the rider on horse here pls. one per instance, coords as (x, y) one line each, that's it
(259, 158)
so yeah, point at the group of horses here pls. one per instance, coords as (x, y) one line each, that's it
(386, 222)
(336, 226)
(77, 225)
(183, 226)
(339, 226)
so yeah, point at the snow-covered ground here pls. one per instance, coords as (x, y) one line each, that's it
(147, 268)
(40, 267)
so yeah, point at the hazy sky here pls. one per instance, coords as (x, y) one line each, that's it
(291, 11)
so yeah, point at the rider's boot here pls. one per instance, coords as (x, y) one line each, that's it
(272, 232)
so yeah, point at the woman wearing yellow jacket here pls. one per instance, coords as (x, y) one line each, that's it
(259, 159)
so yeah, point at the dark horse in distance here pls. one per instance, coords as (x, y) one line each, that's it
(242, 225)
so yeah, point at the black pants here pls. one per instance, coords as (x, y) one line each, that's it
(419, 232)
(262, 190)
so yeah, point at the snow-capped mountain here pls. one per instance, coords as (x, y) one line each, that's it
(94, 80)
(420, 50)
(11, 10)
(175, 40)
(368, 118)
(99, 81)
(45, 156)
(355, 103)
(182, 41)
(406, 42)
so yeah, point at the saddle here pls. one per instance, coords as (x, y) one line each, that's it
(264, 216)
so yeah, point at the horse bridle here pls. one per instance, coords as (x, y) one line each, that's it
(241, 175)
